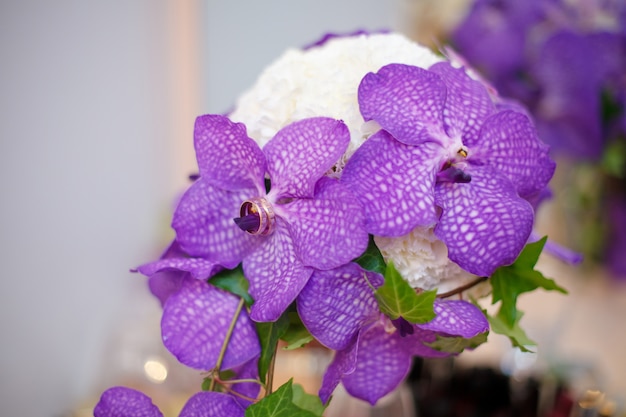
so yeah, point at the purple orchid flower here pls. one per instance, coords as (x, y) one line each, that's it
(373, 353)
(305, 220)
(444, 144)
(127, 402)
(197, 315)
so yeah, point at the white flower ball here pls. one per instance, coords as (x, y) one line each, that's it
(323, 81)
(423, 261)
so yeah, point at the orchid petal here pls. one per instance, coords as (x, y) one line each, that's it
(195, 322)
(457, 318)
(125, 402)
(328, 230)
(405, 100)
(484, 223)
(302, 152)
(335, 304)
(212, 404)
(204, 224)
(382, 364)
(467, 103)
(343, 363)
(509, 142)
(394, 183)
(227, 157)
(275, 273)
(199, 268)
(249, 370)
(163, 284)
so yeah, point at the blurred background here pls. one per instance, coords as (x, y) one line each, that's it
(97, 106)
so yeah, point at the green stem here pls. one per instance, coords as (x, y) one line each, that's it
(229, 333)
(241, 381)
(462, 288)
(270, 373)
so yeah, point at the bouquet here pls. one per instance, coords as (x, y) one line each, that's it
(364, 193)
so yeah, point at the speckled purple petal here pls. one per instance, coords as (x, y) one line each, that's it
(227, 157)
(343, 363)
(275, 274)
(194, 324)
(382, 363)
(302, 152)
(457, 318)
(467, 103)
(394, 183)
(125, 402)
(212, 404)
(328, 230)
(335, 304)
(204, 224)
(198, 268)
(403, 99)
(509, 142)
(249, 370)
(484, 223)
(414, 344)
(163, 284)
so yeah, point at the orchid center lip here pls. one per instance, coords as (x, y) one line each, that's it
(256, 217)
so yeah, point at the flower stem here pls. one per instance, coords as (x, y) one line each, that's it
(270, 374)
(462, 288)
(229, 333)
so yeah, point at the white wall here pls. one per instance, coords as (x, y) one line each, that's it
(245, 36)
(88, 135)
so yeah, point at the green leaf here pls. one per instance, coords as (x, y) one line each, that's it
(614, 158)
(297, 334)
(509, 282)
(458, 344)
(396, 299)
(307, 401)
(233, 280)
(269, 333)
(515, 333)
(372, 259)
(279, 404)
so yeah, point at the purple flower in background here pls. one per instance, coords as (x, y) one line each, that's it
(554, 58)
(373, 353)
(304, 221)
(127, 402)
(493, 38)
(444, 144)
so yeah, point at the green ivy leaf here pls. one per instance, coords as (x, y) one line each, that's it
(396, 299)
(297, 334)
(307, 401)
(233, 281)
(279, 404)
(509, 282)
(269, 333)
(458, 344)
(515, 333)
(372, 259)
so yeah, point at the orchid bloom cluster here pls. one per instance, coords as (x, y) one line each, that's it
(565, 60)
(360, 148)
